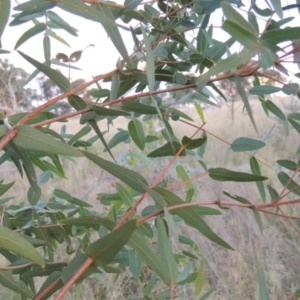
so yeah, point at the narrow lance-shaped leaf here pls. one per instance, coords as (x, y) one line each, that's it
(238, 27)
(38, 28)
(190, 216)
(4, 16)
(9, 281)
(59, 79)
(221, 174)
(136, 132)
(228, 63)
(135, 263)
(245, 144)
(33, 139)
(149, 60)
(169, 266)
(242, 93)
(256, 170)
(105, 249)
(133, 179)
(14, 242)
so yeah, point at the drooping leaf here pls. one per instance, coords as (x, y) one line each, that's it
(4, 16)
(38, 28)
(149, 60)
(60, 80)
(256, 170)
(9, 281)
(238, 27)
(169, 265)
(200, 278)
(264, 90)
(135, 264)
(289, 183)
(169, 149)
(246, 144)
(190, 216)
(98, 13)
(288, 164)
(273, 108)
(14, 242)
(53, 277)
(109, 112)
(221, 174)
(136, 132)
(193, 143)
(33, 139)
(125, 195)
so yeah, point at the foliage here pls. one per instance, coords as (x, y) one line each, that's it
(177, 41)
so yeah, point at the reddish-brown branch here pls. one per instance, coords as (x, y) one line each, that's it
(89, 261)
(48, 289)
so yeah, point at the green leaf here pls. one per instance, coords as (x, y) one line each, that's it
(94, 125)
(264, 90)
(184, 176)
(242, 93)
(133, 179)
(88, 221)
(4, 16)
(103, 93)
(47, 50)
(190, 216)
(105, 249)
(136, 132)
(64, 195)
(121, 136)
(33, 139)
(140, 108)
(14, 242)
(273, 108)
(221, 174)
(169, 149)
(38, 28)
(193, 143)
(135, 263)
(5, 187)
(289, 183)
(238, 27)
(273, 37)
(140, 245)
(257, 218)
(60, 80)
(169, 265)
(82, 132)
(149, 61)
(288, 164)
(125, 195)
(55, 18)
(35, 6)
(263, 288)
(109, 112)
(8, 280)
(223, 65)
(295, 124)
(199, 111)
(200, 279)
(256, 171)
(245, 144)
(53, 277)
(99, 13)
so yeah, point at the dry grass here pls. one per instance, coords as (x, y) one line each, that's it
(232, 273)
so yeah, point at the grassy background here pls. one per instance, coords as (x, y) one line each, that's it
(233, 274)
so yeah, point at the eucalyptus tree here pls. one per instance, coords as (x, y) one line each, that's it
(179, 43)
